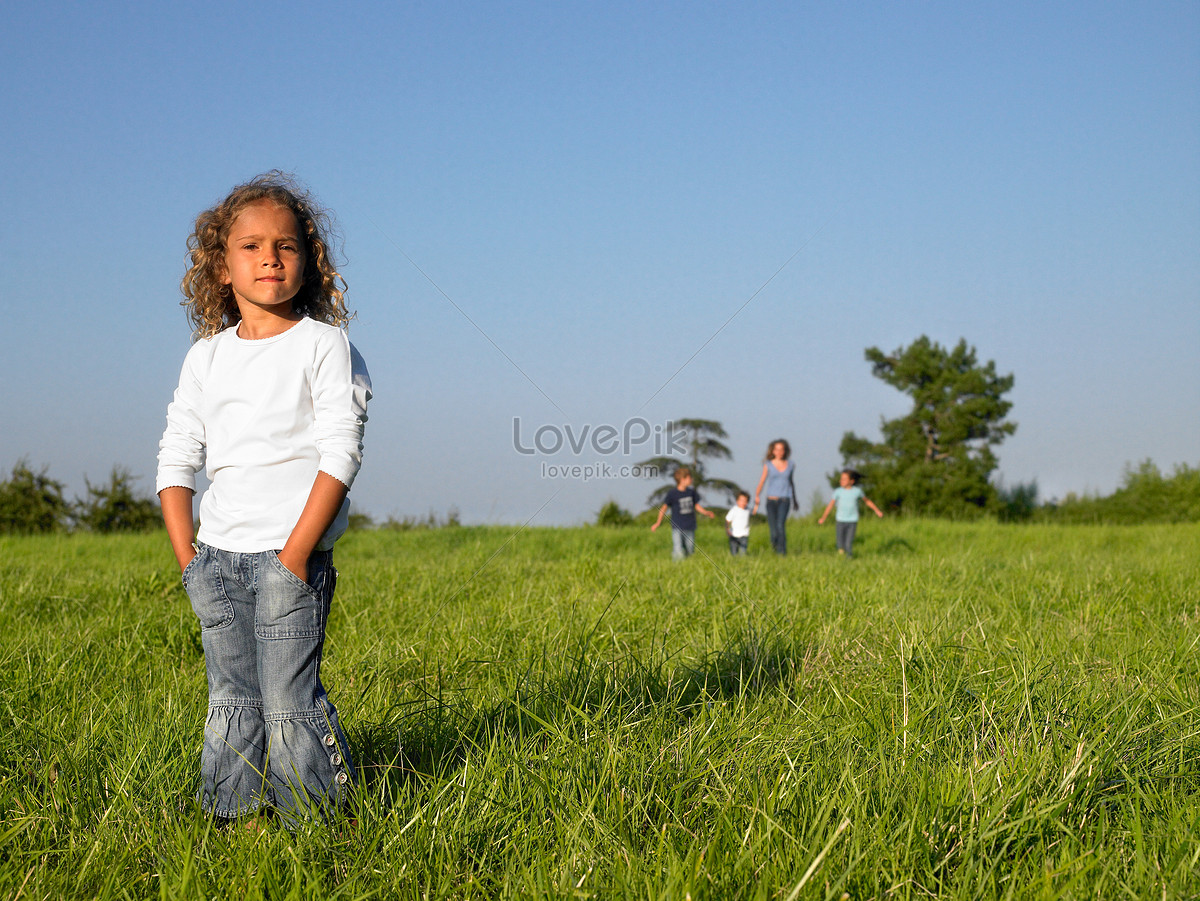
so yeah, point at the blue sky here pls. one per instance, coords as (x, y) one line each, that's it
(548, 208)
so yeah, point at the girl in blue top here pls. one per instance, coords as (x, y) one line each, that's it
(846, 496)
(781, 491)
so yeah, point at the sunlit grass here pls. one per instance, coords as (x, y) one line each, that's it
(962, 711)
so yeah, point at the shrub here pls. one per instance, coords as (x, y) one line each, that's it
(32, 502)
(1018, 503)
(1146, 495)
(116, 507)
(613, 514)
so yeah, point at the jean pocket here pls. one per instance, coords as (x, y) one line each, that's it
(286, 574)
(202, 582)
(191, 565)
(288, 607)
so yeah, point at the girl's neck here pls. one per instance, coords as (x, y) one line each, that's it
(262, 324)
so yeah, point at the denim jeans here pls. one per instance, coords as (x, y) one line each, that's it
(682, 543)
(845, 537)
(777, 512)
(272, 736)
(737, 546)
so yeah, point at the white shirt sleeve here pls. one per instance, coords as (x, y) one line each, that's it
(341, 389)
(181, 452)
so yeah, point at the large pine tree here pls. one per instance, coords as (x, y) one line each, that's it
(938, 459)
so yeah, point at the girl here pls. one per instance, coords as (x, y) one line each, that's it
(846, 497)
(781, 491)
(271, 400)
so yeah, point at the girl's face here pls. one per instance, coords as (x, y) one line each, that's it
(777, 450)
(845, 481)
(264, 259)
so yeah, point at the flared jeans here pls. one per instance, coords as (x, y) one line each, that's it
(271, 736)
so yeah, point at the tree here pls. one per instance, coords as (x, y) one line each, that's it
(938, 459)
(115, 507)
(32, 502)
(702, 439)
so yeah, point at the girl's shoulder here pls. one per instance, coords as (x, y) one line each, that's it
(322, 328)
(200, 354)
(324, 334)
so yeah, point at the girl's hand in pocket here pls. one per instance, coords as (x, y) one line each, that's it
(298, 568)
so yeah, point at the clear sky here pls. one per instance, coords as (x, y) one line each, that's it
(549, 208)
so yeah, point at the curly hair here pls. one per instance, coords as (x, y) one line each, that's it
(210, 303)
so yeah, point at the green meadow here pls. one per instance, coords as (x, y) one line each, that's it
(962, 711)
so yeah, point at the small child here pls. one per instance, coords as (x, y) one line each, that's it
(737, 525)
(684, 503)
(272, 400)
(847, 496)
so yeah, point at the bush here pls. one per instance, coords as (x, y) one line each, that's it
(116, 507)
(359, 521)
(429, 521)
(1018, 503)
(612, 514)
(32, 502)
(1146, 495)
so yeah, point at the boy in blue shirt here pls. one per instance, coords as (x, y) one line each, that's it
(846, 496)
(684, 503)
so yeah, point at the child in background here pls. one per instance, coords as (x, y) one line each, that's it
(846, 496)
(737, 525)
(272, 399)
(684, 503)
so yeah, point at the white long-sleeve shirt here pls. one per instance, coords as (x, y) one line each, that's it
(263, 417)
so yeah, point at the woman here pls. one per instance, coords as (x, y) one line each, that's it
(781, 492)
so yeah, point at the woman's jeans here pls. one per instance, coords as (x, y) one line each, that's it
(777, 512)
(271, 736)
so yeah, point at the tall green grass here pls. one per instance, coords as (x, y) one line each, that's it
(963, 711)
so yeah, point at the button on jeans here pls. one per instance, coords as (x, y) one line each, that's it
(272, 736)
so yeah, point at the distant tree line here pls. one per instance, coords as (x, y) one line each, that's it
(32, 503)
(1145, 495)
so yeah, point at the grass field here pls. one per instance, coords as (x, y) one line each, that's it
(963, 711)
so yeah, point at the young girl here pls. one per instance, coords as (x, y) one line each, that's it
(781, 491)
(271, 400)
(846, 497)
